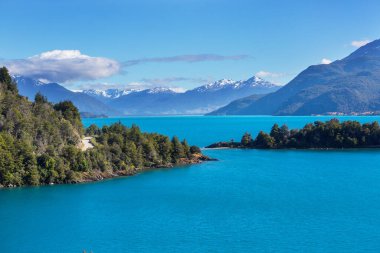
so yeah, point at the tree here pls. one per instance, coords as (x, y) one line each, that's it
(246, 139)
(70, 113)
(6, 80)
(186, 148)
(165, 148)
(40, 99)
(195, 150)
(93, 130)
(263, 140)
(177, 151)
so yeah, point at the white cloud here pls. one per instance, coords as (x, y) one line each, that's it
(360, 43)
(267, 74)
(191, 58)
(64, 66)
(326, 61)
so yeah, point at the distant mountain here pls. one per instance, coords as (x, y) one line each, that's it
(351, 85)
(106, 95)
(165, 101)
(55, 93)
(154, 101)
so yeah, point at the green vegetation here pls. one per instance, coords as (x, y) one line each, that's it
(320, 135)
(40, 144)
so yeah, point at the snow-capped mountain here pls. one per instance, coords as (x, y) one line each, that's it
(253, 82)
(153, 101)
(158, 90)
(105, 95)
(116, 93)
(217, 85)
(200, 100)
(259, 83)
(22, 80)
(54, 92)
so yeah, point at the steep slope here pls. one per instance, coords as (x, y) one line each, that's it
(344, 86)
(215, 95)
(237, 105)
(54, 92)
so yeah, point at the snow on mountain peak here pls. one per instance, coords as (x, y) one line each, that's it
(109, 93)
(156, 90)
(228, 83)
(258, 82)
(23, 79)
(253, 82)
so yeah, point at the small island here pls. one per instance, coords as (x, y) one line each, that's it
(43, 143)
(331, 134)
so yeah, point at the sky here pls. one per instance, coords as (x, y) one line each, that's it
(103, 44)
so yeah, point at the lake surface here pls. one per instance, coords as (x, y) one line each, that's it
(249, 201)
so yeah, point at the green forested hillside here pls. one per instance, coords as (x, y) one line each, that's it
(39, 144)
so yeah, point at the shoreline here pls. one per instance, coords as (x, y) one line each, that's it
(318, 149)
(97, 176)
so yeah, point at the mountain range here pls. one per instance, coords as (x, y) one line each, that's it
(55, 93)
(350, 85)
(154, 101)
(165, 101)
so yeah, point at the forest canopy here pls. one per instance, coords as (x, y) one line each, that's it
(40, 143)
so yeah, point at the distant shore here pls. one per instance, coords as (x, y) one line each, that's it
(213, 147)
(329, 135)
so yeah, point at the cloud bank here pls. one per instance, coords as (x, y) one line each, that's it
(186, 58)
(64, 66)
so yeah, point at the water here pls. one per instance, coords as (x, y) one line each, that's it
(249, 201)
(202, 130)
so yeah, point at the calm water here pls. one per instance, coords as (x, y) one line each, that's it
(249, 201)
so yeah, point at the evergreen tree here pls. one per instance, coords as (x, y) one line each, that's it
(40, 99)
(246, 139)
(195, 150)
(263, 140)
(186, 148)
(177, 151)
(7, 81)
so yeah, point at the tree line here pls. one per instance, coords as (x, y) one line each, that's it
(317, 135)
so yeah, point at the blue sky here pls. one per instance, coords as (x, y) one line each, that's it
(178, 43)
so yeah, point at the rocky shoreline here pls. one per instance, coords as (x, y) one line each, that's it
(99, 175)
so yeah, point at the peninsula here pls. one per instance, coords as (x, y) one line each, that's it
(331, 134)
(43, 143)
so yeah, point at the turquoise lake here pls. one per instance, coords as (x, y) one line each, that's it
(248, 201)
